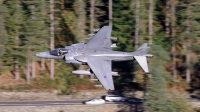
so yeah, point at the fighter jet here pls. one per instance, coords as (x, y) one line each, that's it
(98, 55)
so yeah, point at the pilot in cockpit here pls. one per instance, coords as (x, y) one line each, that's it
(58, 52)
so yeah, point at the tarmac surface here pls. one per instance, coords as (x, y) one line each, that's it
(44, 103)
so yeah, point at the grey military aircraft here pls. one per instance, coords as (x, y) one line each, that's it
(97, 53)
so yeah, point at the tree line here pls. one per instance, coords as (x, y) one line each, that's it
(170, 27)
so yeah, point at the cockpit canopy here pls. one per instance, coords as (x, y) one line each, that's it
(58, 52)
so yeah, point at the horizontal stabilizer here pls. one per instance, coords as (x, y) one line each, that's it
(142, 60)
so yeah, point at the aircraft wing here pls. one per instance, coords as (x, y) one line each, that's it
(101, 39)
(102, 70)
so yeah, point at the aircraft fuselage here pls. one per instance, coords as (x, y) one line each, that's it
(80, 49)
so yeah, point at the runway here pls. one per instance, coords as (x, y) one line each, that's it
(45, 103)
(40, 103)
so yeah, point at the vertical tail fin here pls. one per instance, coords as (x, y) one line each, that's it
(142, 50)
(143, 45)
(141, 56)
(142, 60)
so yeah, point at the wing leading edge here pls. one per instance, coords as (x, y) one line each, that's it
(102, 70)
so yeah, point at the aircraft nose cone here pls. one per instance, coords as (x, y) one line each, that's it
(37, 55)
(41, 55)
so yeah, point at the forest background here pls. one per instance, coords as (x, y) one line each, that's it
(170, 27)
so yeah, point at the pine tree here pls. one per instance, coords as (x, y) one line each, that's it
(179, 102)
(137, 20)
(173, 37)
(150, 28)
(193, 46)
(36, 33)
(99, 14)
(14, 26)
(156, 96)
(92, 18)
(3, 32)
(189, 37)
(52, 42)
(110, 12)
(124, 30)
(69, 25)
(81, 21)
(92, 4)
(167, 20)
(124, 24)
(137, 31)
(44, 34)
